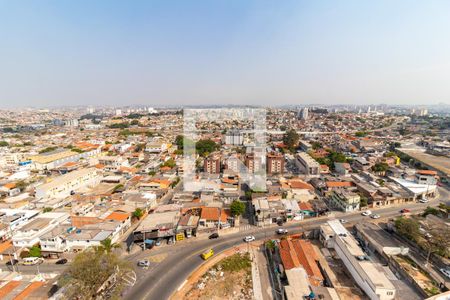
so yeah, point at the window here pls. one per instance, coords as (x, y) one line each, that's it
(390, 293)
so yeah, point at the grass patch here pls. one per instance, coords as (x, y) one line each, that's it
(235, 263)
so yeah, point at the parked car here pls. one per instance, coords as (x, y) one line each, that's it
(366, 213)
(12, 262)
(423, 200)
(145, 263)
(446, 272)
(405, 210)
(375, 216)
(61, 261)
(215, 235)
(31, 261)
(158, 242)
(249, 238)
(343, 221)
(282, 231)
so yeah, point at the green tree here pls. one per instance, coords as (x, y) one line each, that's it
(169, 163)
(363, 201)
(380, 167)
(35, 251)
(138, 213)
(205, 147)
(290, 139)
(47, 209)
(90, 270)
(107, 246)
(4, 144)
(237, 208)
(408, 228)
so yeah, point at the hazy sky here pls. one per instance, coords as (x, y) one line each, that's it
(223, 52)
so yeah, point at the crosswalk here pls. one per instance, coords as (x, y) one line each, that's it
(246, 227)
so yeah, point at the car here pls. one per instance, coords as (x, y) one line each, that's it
(280, 222)
(366, 213)
(249, 238)
(61, 261)
(423, 200)
(12, 262)
(446, 272)
(281, 231)
(405, 210)
(144, 263)
(215, 235)
(375, 216)
(343, 221)
(158, 242)
(207, 254)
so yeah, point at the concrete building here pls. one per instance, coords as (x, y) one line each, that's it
(211, 164)
(234, 137)
(344, 200)
(64, 185)
(275, 163)
(306, 164)
(371, 280)
(253, 163)
(29, 234)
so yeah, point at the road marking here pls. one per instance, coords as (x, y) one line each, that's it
(181, 286)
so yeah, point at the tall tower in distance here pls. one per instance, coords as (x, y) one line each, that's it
(303, 114)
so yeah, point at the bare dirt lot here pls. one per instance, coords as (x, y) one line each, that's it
(231, 278)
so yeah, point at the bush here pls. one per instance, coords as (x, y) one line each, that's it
(236, 262)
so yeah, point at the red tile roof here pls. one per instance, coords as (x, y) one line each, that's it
(333, 184)
(117, 216)
(305, 206)
(426, 172)
(210, 213)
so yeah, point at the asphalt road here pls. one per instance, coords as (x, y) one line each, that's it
(164, 278)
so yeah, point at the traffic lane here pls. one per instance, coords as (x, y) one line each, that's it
(176, 268)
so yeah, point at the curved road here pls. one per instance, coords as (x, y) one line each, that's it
(162, 280)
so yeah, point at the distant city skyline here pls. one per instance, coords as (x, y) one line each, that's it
(270, 53)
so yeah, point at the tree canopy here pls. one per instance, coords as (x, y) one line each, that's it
(290, 139)
(237, 208)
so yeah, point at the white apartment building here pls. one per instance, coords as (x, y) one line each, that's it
(370, 279)
(62, 186)
(29, 234)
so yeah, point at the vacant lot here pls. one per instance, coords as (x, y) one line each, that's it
(231, 278)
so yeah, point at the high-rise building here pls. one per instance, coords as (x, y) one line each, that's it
(303, 114)
(118, 112)
(234, 137)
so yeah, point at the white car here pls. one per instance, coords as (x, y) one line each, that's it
(446, 272)
(343, 221)
(375, 216)
(366, 213)
(144, 263)
(249, 238)
(424, 200)
(282, 231)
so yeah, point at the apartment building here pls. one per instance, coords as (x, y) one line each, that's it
(211, 164)
(275, 163)
(306, 164)
(253, 163)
